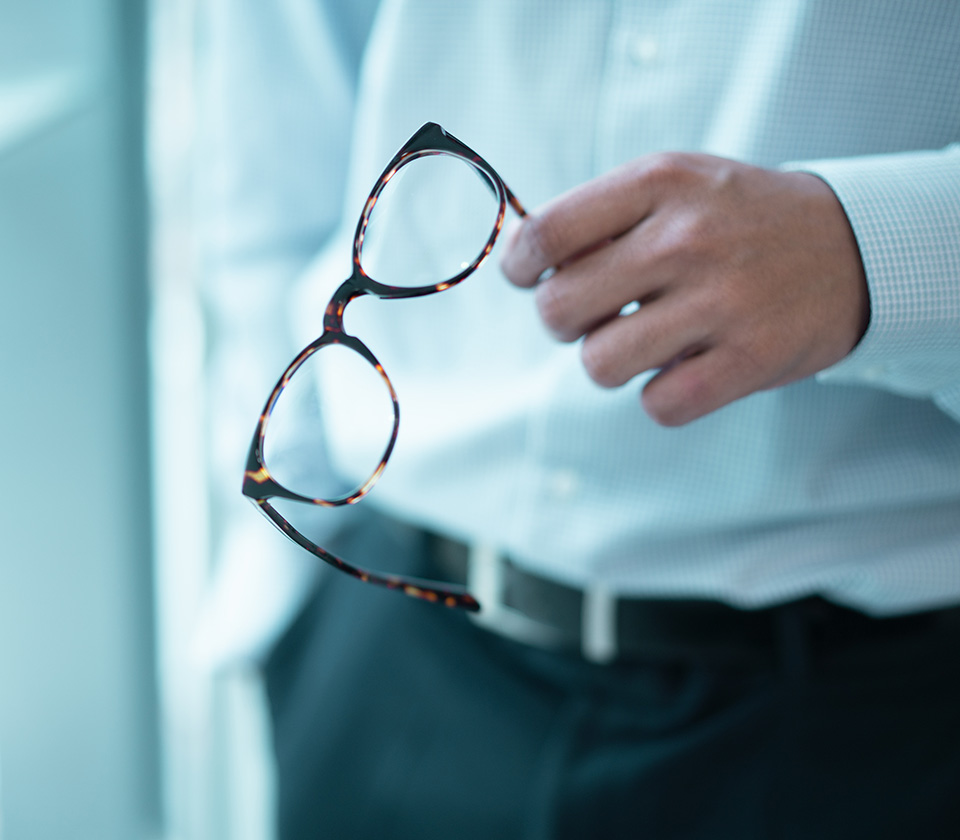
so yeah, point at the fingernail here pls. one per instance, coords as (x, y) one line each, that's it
(521, 261)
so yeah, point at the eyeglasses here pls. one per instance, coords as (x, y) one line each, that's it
(441, 171)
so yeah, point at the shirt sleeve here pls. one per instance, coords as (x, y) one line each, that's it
(905, 213)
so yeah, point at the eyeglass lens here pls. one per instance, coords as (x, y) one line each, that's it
(432, 219)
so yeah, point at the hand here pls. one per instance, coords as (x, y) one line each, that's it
(747, 278)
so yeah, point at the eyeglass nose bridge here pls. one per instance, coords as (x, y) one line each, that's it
(359, 284)
(348, 290)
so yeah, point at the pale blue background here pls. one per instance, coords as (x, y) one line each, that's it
(78, 749)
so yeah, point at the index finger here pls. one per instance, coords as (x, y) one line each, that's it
(576, 222)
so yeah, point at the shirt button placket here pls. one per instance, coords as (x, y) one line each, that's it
(643, 50)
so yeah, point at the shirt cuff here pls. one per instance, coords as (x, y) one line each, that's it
(905, 213)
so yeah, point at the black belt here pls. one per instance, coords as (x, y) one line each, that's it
(531, 608)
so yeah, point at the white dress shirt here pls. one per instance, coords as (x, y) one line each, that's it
(846, 484)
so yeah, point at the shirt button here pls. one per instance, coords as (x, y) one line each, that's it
(564, 484)
(874, 372)
(644, 50)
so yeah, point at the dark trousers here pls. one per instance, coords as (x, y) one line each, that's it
(394, 718)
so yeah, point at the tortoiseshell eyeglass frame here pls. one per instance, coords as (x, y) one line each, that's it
(258, 484)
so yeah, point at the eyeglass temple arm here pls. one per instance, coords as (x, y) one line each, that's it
(515, 202)
(448, 595)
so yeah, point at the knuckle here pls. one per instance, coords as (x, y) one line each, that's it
(695, 232)
(546, 238)
(675, 399)
(680, 237)
(663, 412)
(554, 309)
(667, 168)
(600, 364)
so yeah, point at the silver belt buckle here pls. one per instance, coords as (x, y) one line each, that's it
(485, 575)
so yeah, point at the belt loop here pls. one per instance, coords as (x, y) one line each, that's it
(486, 580)
(793, 640)
(598, 625)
